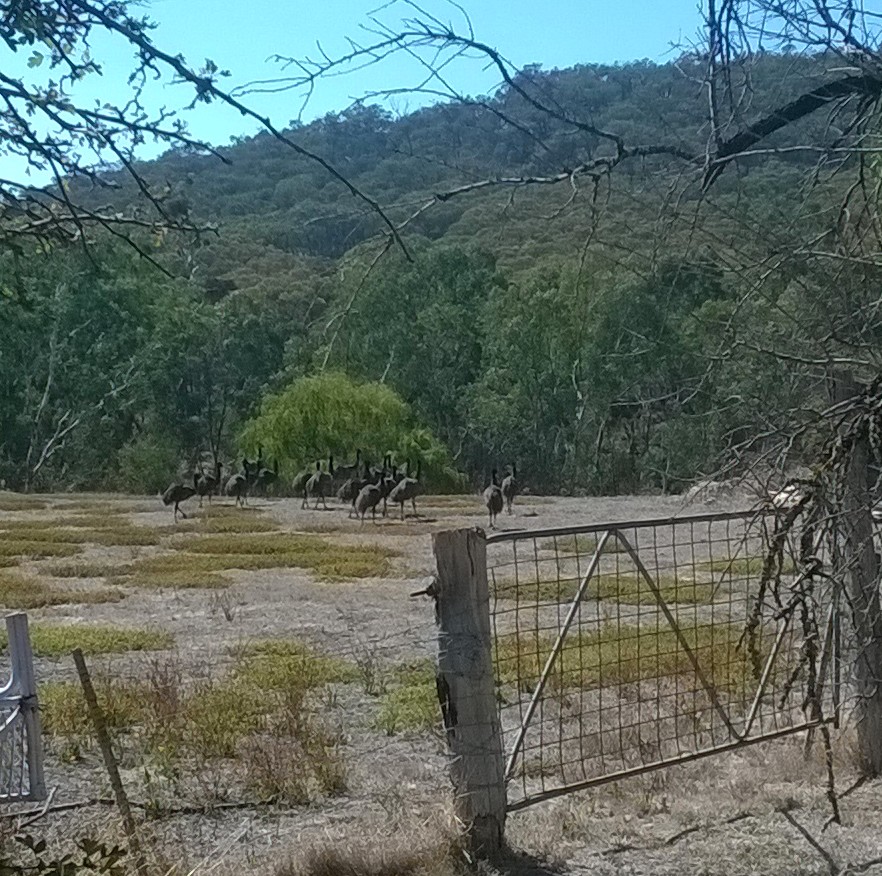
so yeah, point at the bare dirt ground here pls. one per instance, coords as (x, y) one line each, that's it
(722, 815)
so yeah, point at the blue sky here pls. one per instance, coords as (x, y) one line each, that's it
(240, 35)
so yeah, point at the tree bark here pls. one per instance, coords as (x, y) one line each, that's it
(861, 582)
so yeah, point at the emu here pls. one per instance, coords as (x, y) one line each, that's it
(319, 484)
(407, 488)
(238, 484)
(493, 499)
(510, 487)
(369, 497)
(178, 493)
(207, 484)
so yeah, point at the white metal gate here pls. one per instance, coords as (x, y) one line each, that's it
(21, 751)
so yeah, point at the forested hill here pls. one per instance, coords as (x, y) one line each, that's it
(565, 327)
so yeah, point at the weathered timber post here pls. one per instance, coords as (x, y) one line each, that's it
(466, 688)
(862, 585)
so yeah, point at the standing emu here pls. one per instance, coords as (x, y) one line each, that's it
(319, 485)
(207, 484)
(510, 487)
(407, 488)
(493, 499)
(369, 497)
(239, 483)
(178, 493)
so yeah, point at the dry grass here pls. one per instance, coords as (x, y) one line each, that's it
(616, 655)
(55, 640)
(25, 592)
(403, 852)
(216, 511)
(9, 562)
(18, 502)
(580, 545)
(328, 561)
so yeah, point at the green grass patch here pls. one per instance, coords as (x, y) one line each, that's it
(83, 569)
(174, 578)
(623, 655)
(410, 703)
(36, 550)
(234, 525)
(55, 640)
(9, 562)
(328, 561)
(743, 567)
(64, 713)
(121, 535)
(25, 592)
(277, 733)
(279, 664)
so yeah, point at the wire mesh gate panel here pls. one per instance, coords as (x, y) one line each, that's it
(624, 647)
(21, 753)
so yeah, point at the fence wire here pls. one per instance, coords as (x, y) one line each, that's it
(621, 648)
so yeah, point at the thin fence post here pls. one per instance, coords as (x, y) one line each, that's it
(104, 743)
(22, 658)
(466, 687)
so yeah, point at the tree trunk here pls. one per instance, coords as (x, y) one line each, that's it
(862, 585)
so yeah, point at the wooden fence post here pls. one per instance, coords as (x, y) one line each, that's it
(466, 687)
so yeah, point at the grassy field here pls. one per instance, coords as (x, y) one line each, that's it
(273, 658)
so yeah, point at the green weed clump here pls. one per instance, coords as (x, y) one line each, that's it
(263, 719)
(410, 703)
(54, 640)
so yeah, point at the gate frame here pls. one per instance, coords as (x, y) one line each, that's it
(462, 602)
(19, 695)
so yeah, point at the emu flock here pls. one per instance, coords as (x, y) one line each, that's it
(360, 485)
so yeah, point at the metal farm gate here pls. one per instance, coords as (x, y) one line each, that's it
(21, 752)
(625, 647)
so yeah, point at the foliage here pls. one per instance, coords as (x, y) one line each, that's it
(613, 346)
(330, 414)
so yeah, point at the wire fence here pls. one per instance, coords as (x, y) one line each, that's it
(621, 648)
(318, 720)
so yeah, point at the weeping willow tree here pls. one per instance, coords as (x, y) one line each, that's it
(331, 414)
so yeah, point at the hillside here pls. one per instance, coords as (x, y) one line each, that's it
(568, 329)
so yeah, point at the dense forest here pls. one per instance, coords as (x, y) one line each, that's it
(598, 336)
